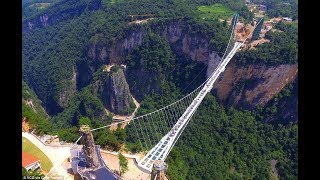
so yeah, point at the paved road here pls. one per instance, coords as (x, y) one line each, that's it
(56, 155)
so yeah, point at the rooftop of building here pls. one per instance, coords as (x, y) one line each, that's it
(28, 159)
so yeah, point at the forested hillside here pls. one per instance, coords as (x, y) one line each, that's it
(282, 49)
(84, 60)
(285, 8)
(33, 112)
(232, 144)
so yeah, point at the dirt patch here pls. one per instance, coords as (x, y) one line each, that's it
(242, 31)
(274, 169)
(258, 41)
(25, 125)
(107, 67)
(118, 118)
(140, 21)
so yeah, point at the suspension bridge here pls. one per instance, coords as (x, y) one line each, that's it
(159, 130)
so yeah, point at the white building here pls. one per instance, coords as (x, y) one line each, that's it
(287, 19)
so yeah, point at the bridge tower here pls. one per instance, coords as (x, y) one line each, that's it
(257, 30)
(159, 170)
(88, 147)
(234, 20)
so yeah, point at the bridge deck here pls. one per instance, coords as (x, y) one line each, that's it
(162, 149)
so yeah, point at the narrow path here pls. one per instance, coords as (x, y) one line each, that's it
(123, 118)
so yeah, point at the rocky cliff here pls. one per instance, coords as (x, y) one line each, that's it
(113, 90)
(245, 86)
(253, 85)
(119, 92)
(30, 99)
(178, 33)
(55, 14)
(68, 91)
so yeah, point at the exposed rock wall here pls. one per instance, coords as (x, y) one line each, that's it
(68, 92)
(120, 94)
(113, 90)
(193, 45)
(252, 85)
(47, 19)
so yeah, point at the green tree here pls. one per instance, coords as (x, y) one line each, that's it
(123, 164)
(85, 121)
(33, 173)
(120, 134)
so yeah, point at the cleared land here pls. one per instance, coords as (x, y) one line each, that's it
(214, 11)
(30, 148)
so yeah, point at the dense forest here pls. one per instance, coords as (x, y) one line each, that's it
(223, 143)
(284, 8)
(275, 111)
(219, 142)
(31, 7)
(33, 111)
(282, 49)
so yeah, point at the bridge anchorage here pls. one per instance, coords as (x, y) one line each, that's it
(160, 129)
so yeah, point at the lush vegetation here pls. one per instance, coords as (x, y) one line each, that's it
(282, 49)
(231, 144)
(123, 162)
(32, 7)
(83, 104)
(30, 148)
(218, 143)
(150, 65)
(54, 53)
(215, 11)
(284, 8)
(31, 174)
(277, 109)
(34, 113)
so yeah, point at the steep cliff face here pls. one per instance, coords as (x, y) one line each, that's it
(252, 85)
(113, 90)
(184, 43)
(69, 91)
(120, 94)
(240, 86)
(58, 12)
(115, 53)
(98, 52)
(284, 105)
(30, 99)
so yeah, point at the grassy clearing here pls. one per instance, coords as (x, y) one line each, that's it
(295, 23)
(30, 148)
(214, 11)
(266, 18)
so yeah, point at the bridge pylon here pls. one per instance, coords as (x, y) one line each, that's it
(159, 170)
